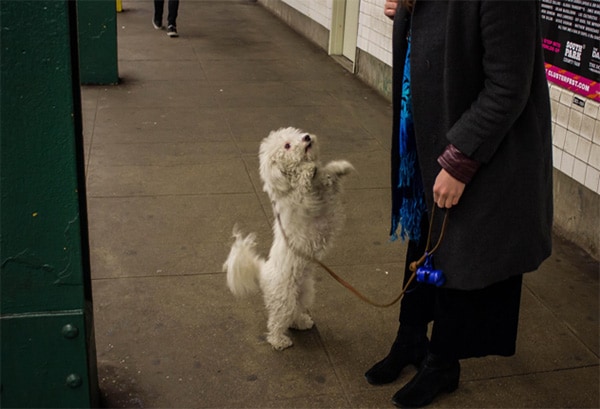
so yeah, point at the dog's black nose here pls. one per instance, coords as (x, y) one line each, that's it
(306, 138)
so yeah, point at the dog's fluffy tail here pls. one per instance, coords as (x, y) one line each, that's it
(243, 265)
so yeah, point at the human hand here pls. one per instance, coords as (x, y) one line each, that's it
(389, 9)
(447, 190)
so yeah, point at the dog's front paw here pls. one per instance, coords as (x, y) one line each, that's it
(303, 322)
(339, 167)
(279, 341)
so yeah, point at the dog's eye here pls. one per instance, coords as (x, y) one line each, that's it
(287, 146)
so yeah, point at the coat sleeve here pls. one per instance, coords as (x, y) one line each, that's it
(509, 37)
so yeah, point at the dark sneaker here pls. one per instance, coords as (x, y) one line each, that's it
(157, 24)
(172, 31)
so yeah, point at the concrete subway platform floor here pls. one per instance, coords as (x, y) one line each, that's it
(172, 166)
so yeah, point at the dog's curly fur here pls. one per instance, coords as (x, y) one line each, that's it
(307, 209)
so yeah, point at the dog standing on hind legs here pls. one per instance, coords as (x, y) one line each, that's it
(307, 213)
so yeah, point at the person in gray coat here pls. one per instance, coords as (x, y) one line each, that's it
(471, 138)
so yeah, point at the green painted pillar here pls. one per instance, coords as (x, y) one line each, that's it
(98, 61)
(48, 356)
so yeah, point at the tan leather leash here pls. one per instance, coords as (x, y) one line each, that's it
(416, 264)
(413, 266)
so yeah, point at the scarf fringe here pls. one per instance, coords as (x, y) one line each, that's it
(408, 219)
(410, 200)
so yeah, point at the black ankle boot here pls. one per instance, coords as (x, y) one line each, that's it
(409, 348)
(435, 376)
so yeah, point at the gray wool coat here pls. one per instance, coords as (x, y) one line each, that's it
(478, 81)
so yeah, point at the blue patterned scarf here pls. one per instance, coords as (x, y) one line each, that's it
(411, 206)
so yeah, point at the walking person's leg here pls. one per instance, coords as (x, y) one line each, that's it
(172, 18)
(158, 14)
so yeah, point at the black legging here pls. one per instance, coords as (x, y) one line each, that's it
(173, 7)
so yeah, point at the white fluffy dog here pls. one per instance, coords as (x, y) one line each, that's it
(306, 204)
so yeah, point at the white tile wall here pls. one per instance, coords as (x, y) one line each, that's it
(317, 10)
(375, 30)
(576, 137)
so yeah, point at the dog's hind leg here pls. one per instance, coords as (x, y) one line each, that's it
(280, 318)
(280, 303)
(279, 340)
(302, 319)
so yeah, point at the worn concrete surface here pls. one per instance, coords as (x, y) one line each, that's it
(172, 165)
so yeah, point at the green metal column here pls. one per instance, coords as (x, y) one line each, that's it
(98, 60)
(46, 321)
